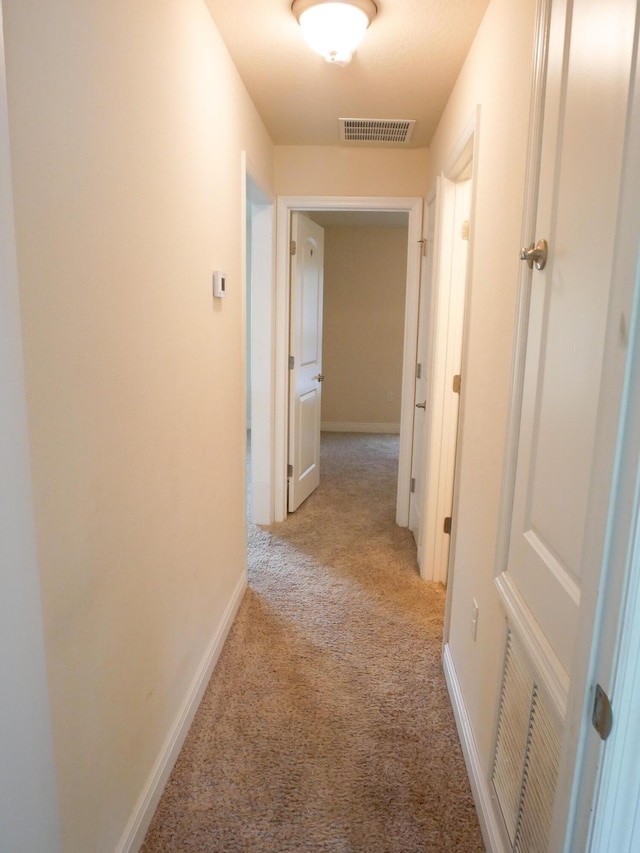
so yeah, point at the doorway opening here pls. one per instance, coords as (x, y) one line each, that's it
(348, 286)
(317, 207)
(448, 218)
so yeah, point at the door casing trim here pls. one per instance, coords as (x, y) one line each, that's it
(258, 276)
(285, 206)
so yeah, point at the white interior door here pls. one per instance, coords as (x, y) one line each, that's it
(448, 308)
(416, 498)
(584, 116)
(557, 512)
(305, 352)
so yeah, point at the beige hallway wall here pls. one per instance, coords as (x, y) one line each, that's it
(496, 75)
(127, 196)
(341, 171)
(364, 295)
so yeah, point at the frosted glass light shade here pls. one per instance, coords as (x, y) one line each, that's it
(334, 29)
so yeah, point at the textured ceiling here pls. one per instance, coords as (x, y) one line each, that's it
(404, 69)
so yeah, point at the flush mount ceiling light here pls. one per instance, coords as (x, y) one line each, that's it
(334, 28)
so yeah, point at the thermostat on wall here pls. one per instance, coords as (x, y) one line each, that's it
(219, 283)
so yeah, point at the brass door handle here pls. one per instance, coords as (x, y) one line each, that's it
(421, 405)
(535, 255)
(320, 377)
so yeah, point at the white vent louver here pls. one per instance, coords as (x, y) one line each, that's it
(398, 131)
(511, 741)
(526, 757)
(539, 783)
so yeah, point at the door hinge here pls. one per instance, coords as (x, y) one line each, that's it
(457, 382)
(602, 716)
(465, 230)
(292, 362)
(424, 243)
(413, 485)
(447, 524)
(289, 470)
(292, 247)
(418, 371)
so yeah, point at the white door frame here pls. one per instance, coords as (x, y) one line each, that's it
(605, 806)
(463, 154)
(285, 206)
(423, 382)
(259, 276)
(28, 805)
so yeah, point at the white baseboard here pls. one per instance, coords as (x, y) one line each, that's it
(350, 426)
(485, 805)
(145, 808)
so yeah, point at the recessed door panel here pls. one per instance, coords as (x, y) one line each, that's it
(584, 116)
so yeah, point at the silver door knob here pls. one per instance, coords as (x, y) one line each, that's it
(320, 377)
(535, 255)
(421, 405)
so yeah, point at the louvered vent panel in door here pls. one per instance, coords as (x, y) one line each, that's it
(539, 783)
(511, 742)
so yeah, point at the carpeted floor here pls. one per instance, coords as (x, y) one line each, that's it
(327, 725)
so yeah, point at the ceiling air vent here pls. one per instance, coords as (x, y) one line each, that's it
(398, 131)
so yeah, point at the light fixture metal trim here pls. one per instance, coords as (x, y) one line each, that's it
(367, 6)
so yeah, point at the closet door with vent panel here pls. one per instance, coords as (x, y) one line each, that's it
(567, 265)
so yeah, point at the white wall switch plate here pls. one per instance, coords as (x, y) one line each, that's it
(219, 284)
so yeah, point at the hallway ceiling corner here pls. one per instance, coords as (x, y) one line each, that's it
(405, 68)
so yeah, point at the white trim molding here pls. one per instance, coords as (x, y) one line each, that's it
(606, 811)
(258, 237)
(145, 808)
(486, 805)
(616, 818)
(28, 803)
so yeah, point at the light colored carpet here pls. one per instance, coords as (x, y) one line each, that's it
(326, 725)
